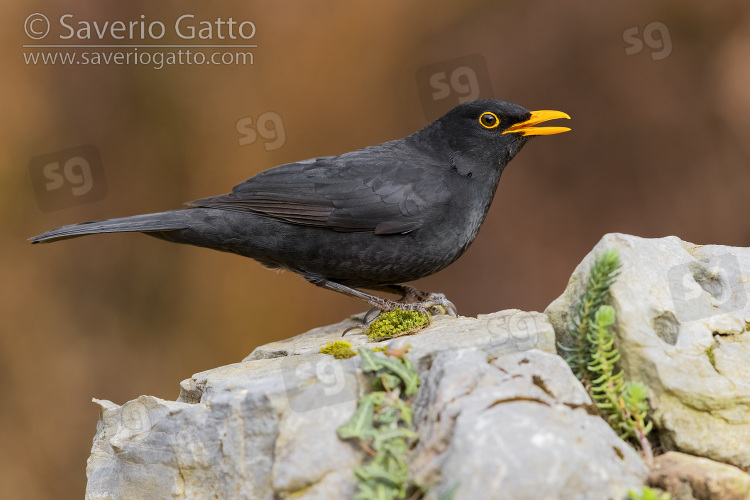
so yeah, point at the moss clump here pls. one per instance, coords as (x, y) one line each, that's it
(711, 356)
(647, 493)
(395, 323)
(299, 493)
(340, 349)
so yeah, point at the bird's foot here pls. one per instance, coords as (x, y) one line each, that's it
(384, 306)
(436, 303)
(365, 325)
(412, 300)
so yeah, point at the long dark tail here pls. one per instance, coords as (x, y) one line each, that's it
(147, 223)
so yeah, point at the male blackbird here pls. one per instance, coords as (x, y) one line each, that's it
(369, 219)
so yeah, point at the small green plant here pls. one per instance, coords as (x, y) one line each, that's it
(593, 357)
(382, 424)
(602, 275)
(635, 410)
(622, 403)
(608, 386)
(395, 323)
(339, 349)
(647, 493)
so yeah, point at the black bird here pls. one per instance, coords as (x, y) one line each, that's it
(369, 219)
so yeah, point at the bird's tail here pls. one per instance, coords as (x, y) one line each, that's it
(147, 223)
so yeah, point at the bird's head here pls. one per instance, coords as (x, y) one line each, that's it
(488, 132)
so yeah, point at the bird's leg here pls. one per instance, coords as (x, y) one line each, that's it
(412, 300)
(375, 301)
(378, 304)
(436, 302)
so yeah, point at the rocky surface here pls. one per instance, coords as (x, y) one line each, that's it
(687, 477)
(498, 414)
(497, 333)
(682, 327)
(516, 426)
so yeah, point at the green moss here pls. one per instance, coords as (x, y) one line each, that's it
(711, 355)
(383, 349)
(647, 493)
(299, 493)
(340, 349)
(396, 323)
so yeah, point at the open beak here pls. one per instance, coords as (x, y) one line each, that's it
(528, 128)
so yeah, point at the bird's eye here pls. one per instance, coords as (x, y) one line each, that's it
(489, 120)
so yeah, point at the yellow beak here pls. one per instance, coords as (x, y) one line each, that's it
(528, 128)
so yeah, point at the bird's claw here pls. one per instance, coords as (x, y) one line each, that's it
(439, 304)
(355, 327)
(430, 301)
(365, 325)
(374, 309)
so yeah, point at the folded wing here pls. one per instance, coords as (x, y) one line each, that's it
(385, 189)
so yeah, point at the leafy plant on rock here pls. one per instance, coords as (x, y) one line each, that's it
(382, 424)
(594, 356)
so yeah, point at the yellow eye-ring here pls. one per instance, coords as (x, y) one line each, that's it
(489, 120)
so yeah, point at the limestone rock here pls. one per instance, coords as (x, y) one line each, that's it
(495, 413)
(516, 427)
(501, 332)
(241, 438)
(682, 326)
(687, 477)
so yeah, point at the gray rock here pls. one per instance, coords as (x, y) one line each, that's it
(495, 413)
(682, 328)
(501, 332)
(687, 477)
(516, 427)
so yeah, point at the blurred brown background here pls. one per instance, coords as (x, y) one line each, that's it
(659, 147)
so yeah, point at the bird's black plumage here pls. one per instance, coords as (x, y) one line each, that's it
(372, 218)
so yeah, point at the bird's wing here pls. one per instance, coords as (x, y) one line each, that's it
(379, 189)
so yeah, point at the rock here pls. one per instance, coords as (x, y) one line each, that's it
(241, 439)
(687, 477)
(497, 333)
(682, 329)
(516, 427)
(496, 413)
